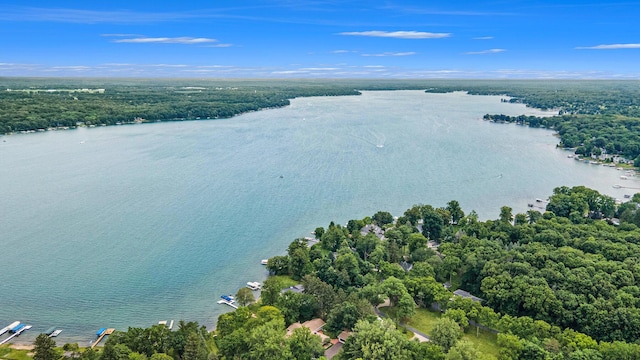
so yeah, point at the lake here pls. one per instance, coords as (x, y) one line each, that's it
(129, 225)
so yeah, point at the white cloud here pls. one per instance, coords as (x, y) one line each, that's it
(72, 67)
(490, 51)
(610, 47)
(164, 70)
(398, 34)
(388, 53)
(289, 72)
(319, 69)
(483, 38)
(166, 40)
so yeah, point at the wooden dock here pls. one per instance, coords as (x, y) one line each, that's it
(104, 333)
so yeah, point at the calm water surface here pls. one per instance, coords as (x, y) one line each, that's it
(126, 226)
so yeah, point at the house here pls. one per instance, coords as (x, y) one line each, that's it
(314, 325)
(292, 327)
(372, 228)
(466, 295)
(295, 288)
(344, 336)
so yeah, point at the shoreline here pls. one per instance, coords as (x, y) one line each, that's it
(27, 342)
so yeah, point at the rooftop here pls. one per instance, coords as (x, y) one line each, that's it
(467, 295)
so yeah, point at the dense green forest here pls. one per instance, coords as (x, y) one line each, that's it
(562, 284)
(559, 285)
(32, 104)
(594, 117)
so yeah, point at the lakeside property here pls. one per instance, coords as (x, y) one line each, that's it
(220, 196)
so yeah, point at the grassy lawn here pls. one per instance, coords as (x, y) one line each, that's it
(211, 345)
(424, 320)
(286, 281)
(485, 342)
(11, 354)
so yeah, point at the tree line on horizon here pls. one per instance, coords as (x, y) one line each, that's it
(594, 117)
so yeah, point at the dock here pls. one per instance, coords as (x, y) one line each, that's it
(50, 330)
(101, 334)
(9, 327)
(16, 332)
(227, 302)
(55, 333)
(166, 323)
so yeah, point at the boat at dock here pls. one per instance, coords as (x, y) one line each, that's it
(264, 262)
(166, 323)
(50, 330)
(17, 328)
(228, 300)
(16, 331)
(100, 334)
(9, 327)
(230, 303)
(254, 285)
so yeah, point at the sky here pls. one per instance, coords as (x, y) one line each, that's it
(404, 39)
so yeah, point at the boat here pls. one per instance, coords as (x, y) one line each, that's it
(50, 330)
(9, 327)
(100, 331)
(55, 333)
(228, 298)
(17, 328)
(264, 262)
(254, 285)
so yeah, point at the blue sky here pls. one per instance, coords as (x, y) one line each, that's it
(321, 39)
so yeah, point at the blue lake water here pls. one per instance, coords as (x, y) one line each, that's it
(128, 225)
